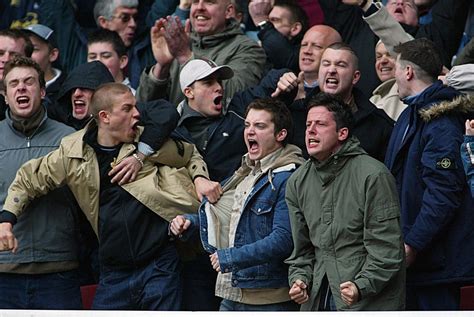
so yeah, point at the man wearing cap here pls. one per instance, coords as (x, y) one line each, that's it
(215, 35)
(217, 135)
(247, 232)
(45, 53)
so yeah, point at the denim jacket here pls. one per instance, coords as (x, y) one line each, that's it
(263, 236)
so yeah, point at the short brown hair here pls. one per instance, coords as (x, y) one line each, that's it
(281, 116)
(22, 61)
(424, 54)
(105, 95)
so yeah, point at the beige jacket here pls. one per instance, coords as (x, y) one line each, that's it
(164, 184)
(386, 97)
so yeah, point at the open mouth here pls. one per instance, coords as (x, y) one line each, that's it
(218, 100)
(253, 145)
(79, 106)
(135, 126)
(201, 18)
(331, 83)
(398, 11)
(313, 142)
(23, 100)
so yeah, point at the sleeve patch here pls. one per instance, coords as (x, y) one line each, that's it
(446, 163)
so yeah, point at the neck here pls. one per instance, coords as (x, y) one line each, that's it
(105, 139)
(418, 87)
(120, 77)
(310, 78)
(49, 74)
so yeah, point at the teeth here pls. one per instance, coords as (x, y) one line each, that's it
(79, 103)
(22, 99)
(332, 81)
(200, 17)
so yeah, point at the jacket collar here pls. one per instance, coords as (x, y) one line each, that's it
(232, 29)
(81, 150)
(328, 169)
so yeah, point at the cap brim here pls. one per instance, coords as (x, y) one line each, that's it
(223, 72)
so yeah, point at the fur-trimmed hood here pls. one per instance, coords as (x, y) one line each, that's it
(463, 104)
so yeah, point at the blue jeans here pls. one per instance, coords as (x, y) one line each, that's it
(40, 291)
(155, 286)
(228, 305)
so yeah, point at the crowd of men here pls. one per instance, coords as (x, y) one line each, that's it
(238, 155)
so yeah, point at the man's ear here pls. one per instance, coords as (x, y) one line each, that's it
(280, 137)
(53, 55)
(102, 21)
(188, 92)
(409, 72)
(343, 134)
(356, 77)
(295, 29)
(103, 116)
(229, 11)
(123, 62)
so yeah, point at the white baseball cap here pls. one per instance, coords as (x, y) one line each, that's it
(201, 68)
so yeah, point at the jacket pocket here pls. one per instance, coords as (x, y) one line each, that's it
(262, 217)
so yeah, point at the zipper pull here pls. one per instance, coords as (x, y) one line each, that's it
(28, 143)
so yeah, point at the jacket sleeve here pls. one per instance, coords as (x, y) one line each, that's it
(301, 260)
(382, 235)
(273, 41)
(274, 247)
(196, 166)
(387, 28)
(346, 19)
(467, 54)
(36, 178)
(160, 9)
(264, 89)
(467, 154)
(446, 29)
(159, 118)
(59, 15)
(152, 88)
(248, 63)
(443, 183)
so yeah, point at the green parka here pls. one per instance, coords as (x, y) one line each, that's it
(230, 47)
(344, 215)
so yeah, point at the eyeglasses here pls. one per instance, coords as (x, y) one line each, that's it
(125, 18)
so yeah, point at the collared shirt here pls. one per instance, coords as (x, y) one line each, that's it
(224, 286)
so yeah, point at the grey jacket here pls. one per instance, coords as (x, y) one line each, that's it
(47, 232)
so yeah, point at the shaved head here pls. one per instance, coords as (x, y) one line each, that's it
(314, 42)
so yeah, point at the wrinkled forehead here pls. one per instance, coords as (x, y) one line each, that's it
(337, 55)
(412, 2)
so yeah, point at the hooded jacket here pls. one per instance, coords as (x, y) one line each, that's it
(90, 76)
(230, 47)
(344, 216)
(436, 207)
